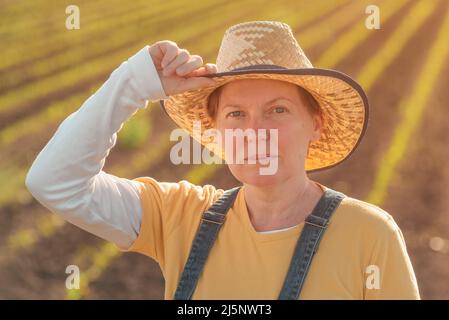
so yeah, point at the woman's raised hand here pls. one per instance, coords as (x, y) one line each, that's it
(178, 70)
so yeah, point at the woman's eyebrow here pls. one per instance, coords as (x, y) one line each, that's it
(266, 103)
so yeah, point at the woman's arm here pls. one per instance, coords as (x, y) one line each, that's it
(391, 275)
(67, 177)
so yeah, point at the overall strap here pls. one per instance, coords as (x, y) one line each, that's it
(211, 222)
(307, 245)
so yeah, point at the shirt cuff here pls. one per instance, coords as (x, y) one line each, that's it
(146, 76)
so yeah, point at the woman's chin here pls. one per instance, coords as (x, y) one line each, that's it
(252, 175)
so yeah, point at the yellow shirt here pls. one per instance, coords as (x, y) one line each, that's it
(362, 254)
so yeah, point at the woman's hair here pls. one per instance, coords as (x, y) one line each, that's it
(311, 103)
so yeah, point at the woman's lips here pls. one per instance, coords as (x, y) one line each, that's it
(260, 157)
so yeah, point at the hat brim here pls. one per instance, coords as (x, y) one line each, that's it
(343, 102)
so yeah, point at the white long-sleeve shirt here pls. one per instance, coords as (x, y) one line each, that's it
(67, 176)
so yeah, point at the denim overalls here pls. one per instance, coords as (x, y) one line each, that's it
(307, 245)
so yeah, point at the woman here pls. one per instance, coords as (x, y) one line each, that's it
(257, 241)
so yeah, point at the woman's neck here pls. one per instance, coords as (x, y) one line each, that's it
(283, 205)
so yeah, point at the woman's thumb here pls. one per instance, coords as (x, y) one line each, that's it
(196, 83)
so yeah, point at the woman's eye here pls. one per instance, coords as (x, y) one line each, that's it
(279, 109)
(234, 114)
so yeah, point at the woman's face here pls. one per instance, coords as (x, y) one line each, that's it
(267, 104)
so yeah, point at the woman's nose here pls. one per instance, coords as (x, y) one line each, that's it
(256, 122)
(259, 129)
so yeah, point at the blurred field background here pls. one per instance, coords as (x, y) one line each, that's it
(47, 72)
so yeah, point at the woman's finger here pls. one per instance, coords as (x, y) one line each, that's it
(211, 67)
(170, 53)
(194, 63)
(195, 83)
(208, 68)
(183, 57)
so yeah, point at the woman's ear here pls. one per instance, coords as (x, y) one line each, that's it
(318, 123)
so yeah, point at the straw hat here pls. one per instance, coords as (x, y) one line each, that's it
(269, 50)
